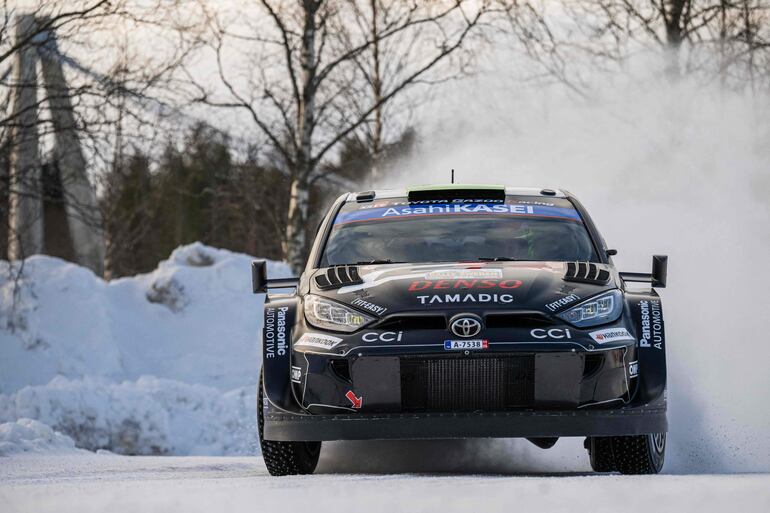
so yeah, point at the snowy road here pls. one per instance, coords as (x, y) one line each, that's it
(117, 483)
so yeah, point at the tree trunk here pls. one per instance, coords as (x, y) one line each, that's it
(674, 20)
(26, 201)
(377, 98)
(296, 245)
(748, 29)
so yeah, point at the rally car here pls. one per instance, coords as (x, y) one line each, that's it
(463, 311)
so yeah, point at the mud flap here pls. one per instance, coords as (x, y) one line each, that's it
(647, 313)
(280, 320)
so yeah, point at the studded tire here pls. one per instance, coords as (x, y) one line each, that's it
(285, 458)
(600, 453)
(640, 454)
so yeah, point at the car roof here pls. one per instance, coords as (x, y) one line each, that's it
(540, 192)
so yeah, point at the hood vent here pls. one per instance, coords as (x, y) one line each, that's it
(586, 272)
(338, 276)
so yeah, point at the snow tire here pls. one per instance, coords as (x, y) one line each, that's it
(640, 454)
(600, 453)
(285, 458)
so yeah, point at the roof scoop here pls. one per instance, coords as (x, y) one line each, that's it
(457, 192)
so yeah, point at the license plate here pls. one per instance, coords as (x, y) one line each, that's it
(462, 345)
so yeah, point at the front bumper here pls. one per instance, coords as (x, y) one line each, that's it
(284, 426)
(492, 380)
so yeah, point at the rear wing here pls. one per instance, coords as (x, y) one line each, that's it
(658, 276)
(260, 284)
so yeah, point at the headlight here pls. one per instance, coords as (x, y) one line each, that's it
(330, 315)
(597, 310)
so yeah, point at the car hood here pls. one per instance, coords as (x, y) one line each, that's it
(386, 289)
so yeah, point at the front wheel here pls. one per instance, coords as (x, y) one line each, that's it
(284, 458)
(640, 454)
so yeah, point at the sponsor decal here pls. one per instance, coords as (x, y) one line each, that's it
(396, 211)
(296, 374)
(553, 333)
(633, 369)
(275, 331)
(458, 201)
(421, 285)
(460, 345)
(379, 277)
(610, 335)
(465, 274)
(465, 298)
(382, 336)
(564, 301)
(318, 340)
(366, 305)
(467, 208)
(355, 401)
(652, 325)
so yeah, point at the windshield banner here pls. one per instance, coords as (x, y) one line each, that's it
(447, 209)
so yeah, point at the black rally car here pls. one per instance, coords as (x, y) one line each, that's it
(463, 311)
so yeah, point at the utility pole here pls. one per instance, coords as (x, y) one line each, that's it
(79, 197)
(25, 230)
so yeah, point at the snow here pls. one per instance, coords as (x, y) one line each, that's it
(31, 436)
(202, 484)
(148, 416)
(161, 363)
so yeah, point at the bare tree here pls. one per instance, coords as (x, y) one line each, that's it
(734, 31)
(297, 92)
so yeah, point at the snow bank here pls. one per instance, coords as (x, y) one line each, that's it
(31, 436)
(147, 416)
(161, 363)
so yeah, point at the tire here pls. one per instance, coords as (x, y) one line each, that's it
(643, 454)
(285, 458)
(640, 454)
(600, 453)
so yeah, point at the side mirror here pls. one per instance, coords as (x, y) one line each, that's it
(658, 276)
(659, 270)
(259, 276)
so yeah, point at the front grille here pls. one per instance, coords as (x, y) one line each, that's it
(478, 383)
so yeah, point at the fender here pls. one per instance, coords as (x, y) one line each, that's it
(279, 327)
(646, 312)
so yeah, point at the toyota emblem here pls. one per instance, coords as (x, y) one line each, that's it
(465, 326)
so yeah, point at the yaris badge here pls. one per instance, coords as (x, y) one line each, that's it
(465, 326)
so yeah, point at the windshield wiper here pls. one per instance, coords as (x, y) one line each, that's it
(378, 261)
(497, 259)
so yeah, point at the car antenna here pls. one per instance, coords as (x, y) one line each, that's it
(453, 176)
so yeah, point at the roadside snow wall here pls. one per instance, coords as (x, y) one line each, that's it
(161, 363)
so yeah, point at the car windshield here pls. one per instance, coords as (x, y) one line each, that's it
(519, 228)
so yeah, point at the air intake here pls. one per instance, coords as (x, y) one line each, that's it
(480, 383)
(338, 276)
(468, 193)
(586, 272)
